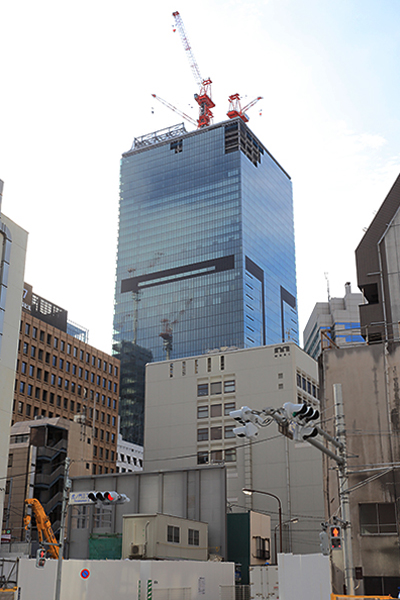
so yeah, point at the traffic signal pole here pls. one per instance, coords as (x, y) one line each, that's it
(251, 420)
(66, 488)
(343, 490)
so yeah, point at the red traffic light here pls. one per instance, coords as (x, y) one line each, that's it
(107, 497)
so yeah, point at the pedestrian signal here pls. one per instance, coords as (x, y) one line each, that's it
(335, 535)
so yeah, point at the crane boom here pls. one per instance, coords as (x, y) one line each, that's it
(203, 98)
(43, 525)
(188, 49)
(172, 107)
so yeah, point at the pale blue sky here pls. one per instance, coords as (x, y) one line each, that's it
(76, 80)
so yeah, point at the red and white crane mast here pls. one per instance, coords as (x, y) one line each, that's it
(203, 98)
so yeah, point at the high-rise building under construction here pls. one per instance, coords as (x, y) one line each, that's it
(206, 250)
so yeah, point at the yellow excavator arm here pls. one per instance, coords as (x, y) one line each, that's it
(45, 532)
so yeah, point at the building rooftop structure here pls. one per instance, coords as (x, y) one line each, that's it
(335, 323)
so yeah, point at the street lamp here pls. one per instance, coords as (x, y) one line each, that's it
(249, 492)
(280, 525)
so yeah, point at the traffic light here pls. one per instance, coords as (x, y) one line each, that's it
(249, 421)
(294, 410)
(335, 536)
(107, 497)
(243, 415)
(249, 431)
(311, 414)
(303, 432)
(324, 543)
(40, 558)
(301, 412)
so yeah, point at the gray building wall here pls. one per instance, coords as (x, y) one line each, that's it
(194, 493)
(378, 267)
(258, 378)
(369, 376)
(392, 259)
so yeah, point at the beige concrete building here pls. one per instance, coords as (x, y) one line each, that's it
(13, 240)
(36, 468)
(369, 376)
(163, 537)
(187, 424)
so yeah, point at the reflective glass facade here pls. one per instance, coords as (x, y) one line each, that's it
(206, 253)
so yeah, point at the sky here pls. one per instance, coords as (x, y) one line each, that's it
(76, 81)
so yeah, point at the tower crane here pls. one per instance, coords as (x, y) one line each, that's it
(203, 98)
(235, 108)
(136, 292)
(166, 333)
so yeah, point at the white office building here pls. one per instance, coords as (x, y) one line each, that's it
(129, 456)
(334, 324)
(187, 423)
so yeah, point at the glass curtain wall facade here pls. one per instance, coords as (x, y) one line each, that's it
(206, 254)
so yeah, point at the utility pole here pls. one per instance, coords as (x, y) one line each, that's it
(66, 488)
(297, 414)
(343, 490)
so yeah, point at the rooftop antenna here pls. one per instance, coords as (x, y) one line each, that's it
(327, 286)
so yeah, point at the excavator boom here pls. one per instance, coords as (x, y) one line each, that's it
(45, 531)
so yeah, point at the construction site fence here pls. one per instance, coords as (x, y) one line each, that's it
(234, 592)
(8, 594)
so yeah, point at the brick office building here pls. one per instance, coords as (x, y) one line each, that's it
(59, 375)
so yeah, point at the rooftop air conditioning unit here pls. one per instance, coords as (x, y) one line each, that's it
(137, 551)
